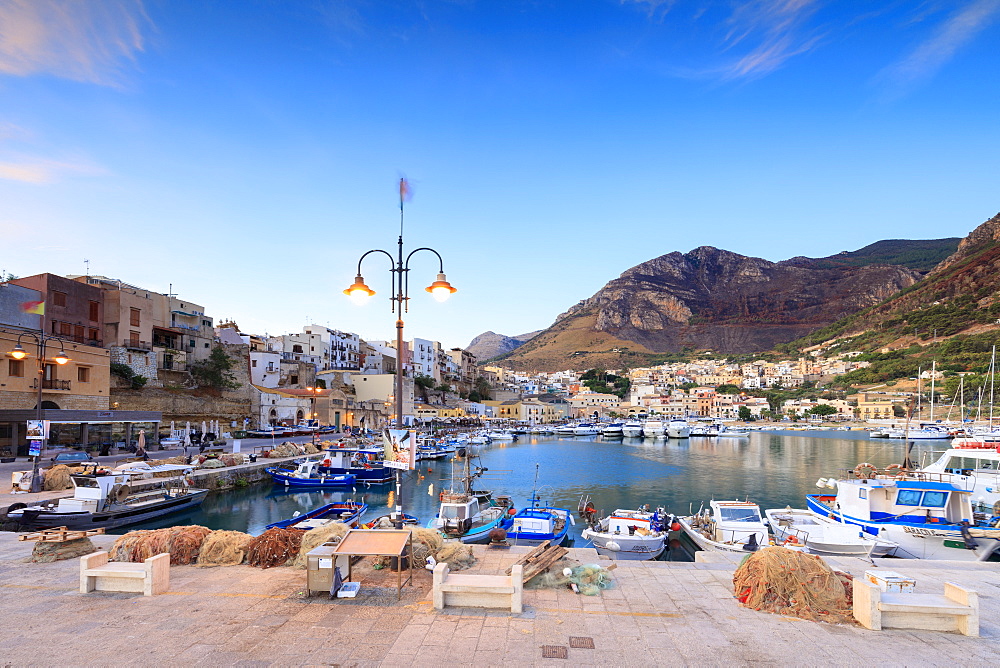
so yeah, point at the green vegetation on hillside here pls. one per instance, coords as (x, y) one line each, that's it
(919, 255)
(598, 380)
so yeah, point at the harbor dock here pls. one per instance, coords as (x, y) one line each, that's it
(657, 613)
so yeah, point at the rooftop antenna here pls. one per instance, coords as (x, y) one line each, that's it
(87, 262)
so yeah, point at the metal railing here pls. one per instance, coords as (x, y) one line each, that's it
(137, 345)
(52, 384)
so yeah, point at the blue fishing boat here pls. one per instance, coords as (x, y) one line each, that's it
(365, 465)
(309, 475)
(536, 524)
(348, 512)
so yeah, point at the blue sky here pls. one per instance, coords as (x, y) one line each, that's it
(247, 152)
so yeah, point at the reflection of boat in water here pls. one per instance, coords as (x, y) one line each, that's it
(821, 535)
(107, 499)
(348, 512)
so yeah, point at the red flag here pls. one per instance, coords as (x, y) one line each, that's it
(405, 193)
(37, 308)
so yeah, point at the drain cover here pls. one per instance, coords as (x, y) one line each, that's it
(578, 642)
(554, 652)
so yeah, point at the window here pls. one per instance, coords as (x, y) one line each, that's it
(78, 331)
(58, 298)
(935, 499)
(908, 497)
(95, 312)
(15, 368)
(93, 335)
(294, 380)
(133, 338)
(206, 345)
(191, 343)
(253, 363)
(83, 374)
(133, 318)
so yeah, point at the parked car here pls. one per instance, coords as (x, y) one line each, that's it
(72, 457)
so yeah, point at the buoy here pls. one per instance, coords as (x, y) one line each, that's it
(676, 526)
(613, 546)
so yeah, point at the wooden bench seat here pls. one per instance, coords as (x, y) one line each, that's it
(479, 591)
(149, 577)
(956, 610)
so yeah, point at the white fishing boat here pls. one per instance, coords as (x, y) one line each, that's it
(632, 429)
(502, 435)
(972, 464)
(823, 536)
(586, 429)
(927, 514)
(726, 526)
(627, 535)
(678, 429)
(565, 429)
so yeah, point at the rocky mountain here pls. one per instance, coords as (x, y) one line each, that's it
(490, 344)
(959, 295)
(712, 299)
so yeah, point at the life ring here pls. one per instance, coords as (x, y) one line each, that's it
(895, 470)
(792, 539)
(865, 471)
(326, 462)
(441, 496)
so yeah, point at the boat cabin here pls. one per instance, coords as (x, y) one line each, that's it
(628, 522)
(916, 501)
(457, 512)
(738, 522)
(93, 492)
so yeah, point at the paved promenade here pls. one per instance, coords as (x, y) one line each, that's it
(657, 614)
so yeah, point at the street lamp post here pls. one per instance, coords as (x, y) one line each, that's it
(313, 415)
(19, 353)
(359, 293)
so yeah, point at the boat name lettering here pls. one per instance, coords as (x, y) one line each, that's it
(920, 531)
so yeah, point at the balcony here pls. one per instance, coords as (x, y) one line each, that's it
(52, 385)
(138, 345)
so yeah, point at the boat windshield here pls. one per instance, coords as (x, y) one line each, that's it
(450, 512)
(82, 481)
(739, 514)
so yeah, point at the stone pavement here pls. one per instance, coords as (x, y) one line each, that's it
(657, 614)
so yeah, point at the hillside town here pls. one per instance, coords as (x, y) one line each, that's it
(135, 349)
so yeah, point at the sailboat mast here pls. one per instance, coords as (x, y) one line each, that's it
(993, 374)
(933, 373)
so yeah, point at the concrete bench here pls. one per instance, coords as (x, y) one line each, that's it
(149, 577)
(479, 591)
(956, 610)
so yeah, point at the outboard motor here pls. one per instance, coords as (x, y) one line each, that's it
(970, 542)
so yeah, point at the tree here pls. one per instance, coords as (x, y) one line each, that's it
(727, 388)
(822, 409)
(216, 371)
(745, 414)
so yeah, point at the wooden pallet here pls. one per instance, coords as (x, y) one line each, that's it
(540, 559)
(60, 535)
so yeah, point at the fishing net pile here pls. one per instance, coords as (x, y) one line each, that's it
(224, 548)
(586, 579)
(183, 543)
(286, 450)
(457, 555)
(57, 477)
(328, 533)
(793, 583)
(212, 464)
(311, 449)
(46, 552)
(274, 547)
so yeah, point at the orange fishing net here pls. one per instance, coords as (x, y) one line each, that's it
(183, 543)
(789, 582)
(274, 547)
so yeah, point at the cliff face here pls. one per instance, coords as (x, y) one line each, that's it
(715, 299)
(490, 344)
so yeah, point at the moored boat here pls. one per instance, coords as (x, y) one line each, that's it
(678, 429)
(821, 535)
(727, 526)
(308, 475)
(348, 512)
(109, 499)
(632, 429)
(629, 535)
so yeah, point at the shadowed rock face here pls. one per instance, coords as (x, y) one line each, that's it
(711, 298)
(490, 344)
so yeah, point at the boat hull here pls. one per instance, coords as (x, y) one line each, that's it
(33, 520)
(311, 483)
(626, 548)
(916, 540)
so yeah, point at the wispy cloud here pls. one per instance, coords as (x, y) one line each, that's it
(933, 53)
(44, 171)
(73, 39)
(654, 8)
(774, 31)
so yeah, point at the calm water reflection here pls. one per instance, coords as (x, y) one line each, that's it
(774, 469)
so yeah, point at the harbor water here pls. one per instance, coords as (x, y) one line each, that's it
(773, 469)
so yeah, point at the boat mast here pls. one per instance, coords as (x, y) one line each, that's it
(993, 374)
(933, 373)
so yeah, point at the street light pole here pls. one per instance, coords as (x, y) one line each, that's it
(440, 289)
(19, 353)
